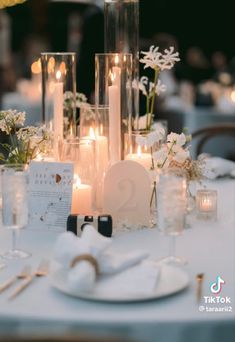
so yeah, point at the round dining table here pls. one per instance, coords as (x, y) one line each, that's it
(208, 247)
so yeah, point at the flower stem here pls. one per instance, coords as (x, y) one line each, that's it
(154, 93)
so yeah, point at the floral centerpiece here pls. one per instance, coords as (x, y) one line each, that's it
(173, 150)
(25, 143)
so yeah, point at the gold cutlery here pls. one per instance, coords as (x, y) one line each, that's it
(41, 271)
(24, 273)
(199, 278)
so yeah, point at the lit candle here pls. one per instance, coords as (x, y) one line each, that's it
(144, 159)
(81, 198)
(58, 106)
(115, 114)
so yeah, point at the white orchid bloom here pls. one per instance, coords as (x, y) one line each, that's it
(152, 58)
(169, 58)
(177, 139)
(161, 155)
(157, 60)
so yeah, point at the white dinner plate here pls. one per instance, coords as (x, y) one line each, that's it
(171, 280)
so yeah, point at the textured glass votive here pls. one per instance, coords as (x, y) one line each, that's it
(206, 202)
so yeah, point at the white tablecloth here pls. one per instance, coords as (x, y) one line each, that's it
(209, 248)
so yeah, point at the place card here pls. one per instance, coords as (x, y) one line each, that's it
(50, 195)
(127, 192)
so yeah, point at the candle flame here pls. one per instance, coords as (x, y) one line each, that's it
(92, 133)
(58, 75)
(51, 65)
(116, 60)
(76, 181)
(63, 68)
(139, 151)
(101, 129)
(36, 67)
(233, 95)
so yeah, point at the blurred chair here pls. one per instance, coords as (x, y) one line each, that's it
(225, 135)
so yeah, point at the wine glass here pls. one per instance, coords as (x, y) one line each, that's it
(171, 208)
(14, 205)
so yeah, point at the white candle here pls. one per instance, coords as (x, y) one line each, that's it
(115, 115)
(58, 107)
(81, 198)
(144, 159)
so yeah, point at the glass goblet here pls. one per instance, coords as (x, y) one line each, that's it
(14, 205)
(171, 209)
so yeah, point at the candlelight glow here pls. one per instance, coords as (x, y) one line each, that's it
(36, 67)
(63, 68)
(58, 75)
(139, 151)
(51, 65)
(92, 133)
(76, 181)
(101, 129)
(233, 95)
(116, 60)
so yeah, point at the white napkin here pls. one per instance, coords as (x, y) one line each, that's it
(218, 167)
(82, 276)
(138, 280)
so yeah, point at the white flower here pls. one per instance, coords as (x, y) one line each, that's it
(159, 88)
(161, 156)
(151, 58)
(177, 139)
(150, 139)
(70, 100)
(10, 119)
(179, 154)
(169, 59)
(157, 60)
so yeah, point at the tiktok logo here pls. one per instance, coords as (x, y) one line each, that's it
(217, 286)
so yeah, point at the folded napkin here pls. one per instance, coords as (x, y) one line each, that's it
(218, 167)
(82, 276)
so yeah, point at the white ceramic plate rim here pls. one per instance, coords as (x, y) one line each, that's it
(172, 280)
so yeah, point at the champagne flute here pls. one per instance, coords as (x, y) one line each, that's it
(14, 205)
(171, 207)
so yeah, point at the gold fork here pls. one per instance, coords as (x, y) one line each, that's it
(41, 271)
(199, 278)
(24, 273)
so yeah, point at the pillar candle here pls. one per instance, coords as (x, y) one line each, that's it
(58, 106)
(144, 159)
(81, 198)
(115, 115)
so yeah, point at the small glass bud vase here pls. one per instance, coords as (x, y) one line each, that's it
(113, 90)
(59, 95)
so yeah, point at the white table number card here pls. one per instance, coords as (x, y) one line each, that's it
(127, 192)
(50, 195)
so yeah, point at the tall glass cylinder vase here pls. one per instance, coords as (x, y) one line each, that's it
(122, 36)
(59, 95)
(113, 90)
(94, 124)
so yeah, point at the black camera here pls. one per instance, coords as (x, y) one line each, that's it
(103, 224)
